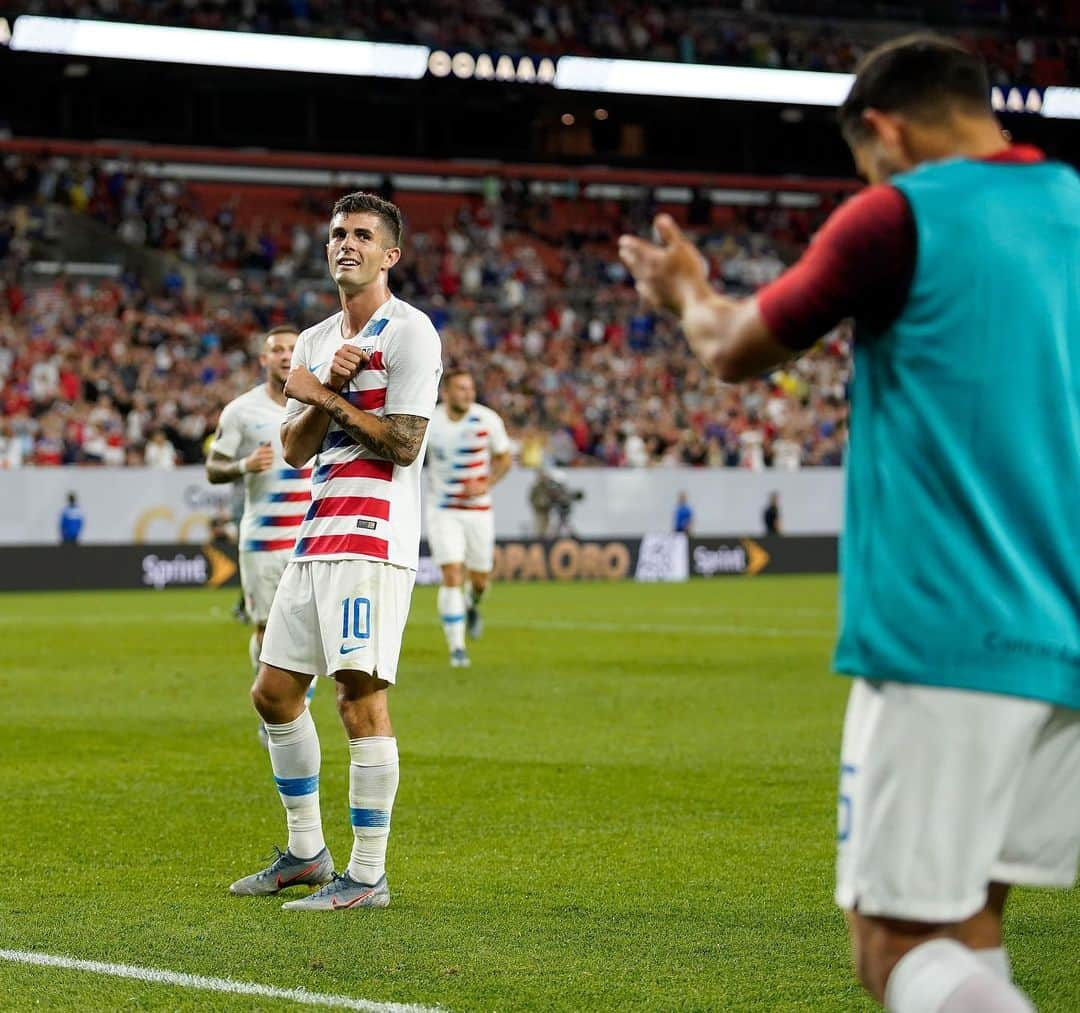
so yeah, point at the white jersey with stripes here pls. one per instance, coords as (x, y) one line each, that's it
(276, 500)
(363, 506)
(459, 450)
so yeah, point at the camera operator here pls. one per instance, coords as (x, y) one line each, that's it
(549, 493)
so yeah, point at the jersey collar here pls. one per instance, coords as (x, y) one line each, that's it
(1017, 153)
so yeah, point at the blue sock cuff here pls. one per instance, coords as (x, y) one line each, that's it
(297, 785)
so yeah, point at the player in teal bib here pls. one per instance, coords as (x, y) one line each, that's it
(960, 561)
(961, 549)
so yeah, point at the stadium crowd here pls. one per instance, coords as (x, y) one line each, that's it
(756, 33)
(122, 371)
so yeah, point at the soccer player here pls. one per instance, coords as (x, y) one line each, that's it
(960, 617)
(247, 447)
(468, 452)
(362, 388)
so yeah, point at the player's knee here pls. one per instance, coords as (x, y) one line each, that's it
(275, 701)
(453, 575)
(261, 700)
(362, 705)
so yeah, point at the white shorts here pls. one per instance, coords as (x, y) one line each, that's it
(340, 615)
(462, 536)
(944, 791)
(260, 574)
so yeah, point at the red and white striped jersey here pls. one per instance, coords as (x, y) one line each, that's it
(275, 500)
(365, 507)
(459, 450)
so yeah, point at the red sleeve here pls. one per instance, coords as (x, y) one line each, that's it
(859, 265)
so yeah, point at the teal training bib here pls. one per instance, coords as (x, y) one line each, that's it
(960, 559)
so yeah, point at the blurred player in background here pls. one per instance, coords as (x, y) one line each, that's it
(363, 385)
(960, 616)
(468, 453)
(247, 447)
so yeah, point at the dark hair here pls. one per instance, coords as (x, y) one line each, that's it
(283, 329)
(360, 202)
(453, 374)
(922, 75)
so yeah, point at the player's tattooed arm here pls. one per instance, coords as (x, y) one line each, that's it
(396, 438)
(220, 468)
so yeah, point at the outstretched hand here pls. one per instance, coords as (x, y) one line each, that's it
(667, 273)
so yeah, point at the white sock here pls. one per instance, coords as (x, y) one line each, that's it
(944, 976)
(373, 783)
(451, 602)
(987, 993)
(996, 960)
(254, 647)
(295, 757)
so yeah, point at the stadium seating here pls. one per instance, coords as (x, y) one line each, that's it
(527, 291)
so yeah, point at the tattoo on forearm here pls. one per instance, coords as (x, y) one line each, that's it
(396, 438)
(223, 469)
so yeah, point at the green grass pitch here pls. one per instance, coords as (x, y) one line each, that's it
(627, 803)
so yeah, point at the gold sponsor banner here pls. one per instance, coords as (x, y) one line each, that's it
(563, 559)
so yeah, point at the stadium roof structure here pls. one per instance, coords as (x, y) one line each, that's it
(156, 43)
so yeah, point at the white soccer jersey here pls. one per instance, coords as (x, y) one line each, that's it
(459, 450)
(275, 500)
(365, 507)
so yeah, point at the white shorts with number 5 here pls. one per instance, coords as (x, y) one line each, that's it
(462, 536)
(943, 791)
(332, 616)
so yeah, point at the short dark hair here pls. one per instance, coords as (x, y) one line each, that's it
(360, 202)
(453, 374)
(282, 329)
(921, 75)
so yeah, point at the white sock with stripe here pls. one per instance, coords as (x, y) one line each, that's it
(451, 602)
(295, 757)
(373, 783)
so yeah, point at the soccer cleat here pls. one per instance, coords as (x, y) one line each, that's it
(342, 893)
(459, 659)
(474, 623)
(286, 870)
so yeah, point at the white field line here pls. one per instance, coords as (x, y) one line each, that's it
(159, 977)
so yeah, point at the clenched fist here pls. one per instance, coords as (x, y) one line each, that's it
(259, 459)
(304, 386)
(347, 362)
